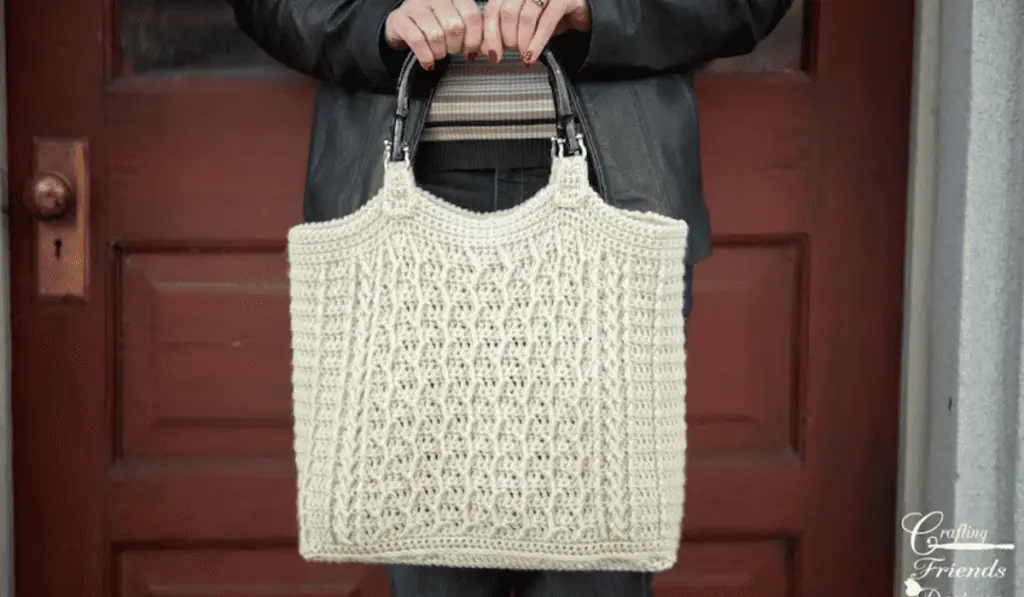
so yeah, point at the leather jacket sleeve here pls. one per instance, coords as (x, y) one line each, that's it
(338, 41)
(670, 35)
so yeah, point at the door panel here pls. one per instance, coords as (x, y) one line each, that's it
(153, 421)
(181, 369)
(270, 572)
(170, 178)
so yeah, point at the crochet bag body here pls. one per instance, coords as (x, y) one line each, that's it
(501, 390)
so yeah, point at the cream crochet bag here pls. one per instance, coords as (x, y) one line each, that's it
(501, 390)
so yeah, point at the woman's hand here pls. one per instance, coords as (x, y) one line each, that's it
(528, 25)
(433, 29)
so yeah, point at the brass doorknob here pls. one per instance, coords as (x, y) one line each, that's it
(48, 196)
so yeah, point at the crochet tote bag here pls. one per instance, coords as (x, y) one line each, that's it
(502, 390)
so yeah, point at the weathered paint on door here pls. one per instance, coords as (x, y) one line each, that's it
(152, 423)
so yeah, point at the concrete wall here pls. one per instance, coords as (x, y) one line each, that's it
(963, 427)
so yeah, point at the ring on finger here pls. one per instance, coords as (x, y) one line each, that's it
(540, 3)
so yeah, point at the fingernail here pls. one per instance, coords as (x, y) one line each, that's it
(529, 57)
(472, 56)
(428, 67)
(493, 56)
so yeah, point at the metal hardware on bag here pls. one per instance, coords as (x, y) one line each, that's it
(387, 153)
(583, 147)
(558, 147)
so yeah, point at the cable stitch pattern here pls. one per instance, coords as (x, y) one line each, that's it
(490, 390)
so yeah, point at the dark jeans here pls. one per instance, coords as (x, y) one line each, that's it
(482, 191)
(427, 581)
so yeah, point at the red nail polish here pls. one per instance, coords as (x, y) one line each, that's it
(472, 56)
(429, 67)
(493, 57)
(529, 57)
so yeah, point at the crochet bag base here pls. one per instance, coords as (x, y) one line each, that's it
(502, 390)
(506, 555)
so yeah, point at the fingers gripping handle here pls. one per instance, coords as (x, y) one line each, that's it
(565, 122)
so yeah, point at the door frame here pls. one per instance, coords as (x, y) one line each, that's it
(6, 423)
(914, 405)
(918, 256)
(950, 66)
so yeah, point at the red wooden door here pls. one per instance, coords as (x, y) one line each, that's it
(152, 422)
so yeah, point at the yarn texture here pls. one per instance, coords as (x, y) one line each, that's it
(502, 390)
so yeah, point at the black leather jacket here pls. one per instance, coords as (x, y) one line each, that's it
(632, 91)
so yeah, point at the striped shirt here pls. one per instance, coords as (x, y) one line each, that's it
(481, 101)
(490, 115)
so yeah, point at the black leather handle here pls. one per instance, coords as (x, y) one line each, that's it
(565, 121)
